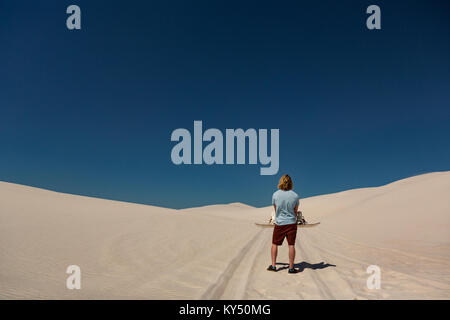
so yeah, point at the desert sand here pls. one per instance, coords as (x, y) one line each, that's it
(132, 251)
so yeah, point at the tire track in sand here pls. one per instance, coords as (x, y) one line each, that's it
(232, 284)
(324, 291)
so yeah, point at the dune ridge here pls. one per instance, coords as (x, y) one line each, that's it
(134, 251)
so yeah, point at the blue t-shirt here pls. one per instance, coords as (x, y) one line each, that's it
(285, 201)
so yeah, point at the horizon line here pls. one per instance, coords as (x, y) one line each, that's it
(214, 204)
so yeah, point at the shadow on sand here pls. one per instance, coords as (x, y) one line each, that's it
(305, 265)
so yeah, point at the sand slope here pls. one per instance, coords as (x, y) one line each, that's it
(133, 251)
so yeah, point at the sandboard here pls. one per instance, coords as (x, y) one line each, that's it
(308, 225)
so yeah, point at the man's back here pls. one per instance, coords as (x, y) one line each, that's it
(285, 202)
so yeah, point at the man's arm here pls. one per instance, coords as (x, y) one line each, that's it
(296, 211)
(296, 208)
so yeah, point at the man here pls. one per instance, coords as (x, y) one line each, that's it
(285, 203)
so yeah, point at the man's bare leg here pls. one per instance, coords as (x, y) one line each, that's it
(274, 252)
(291, 256)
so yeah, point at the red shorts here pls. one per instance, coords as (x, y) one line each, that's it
(288, 231)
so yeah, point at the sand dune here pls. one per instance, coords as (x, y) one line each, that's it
(131, 251)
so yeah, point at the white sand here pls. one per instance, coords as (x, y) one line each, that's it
(143, 252)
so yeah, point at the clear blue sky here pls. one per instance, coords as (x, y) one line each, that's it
(91, 112)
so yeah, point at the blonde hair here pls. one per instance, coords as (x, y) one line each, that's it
(285, 183)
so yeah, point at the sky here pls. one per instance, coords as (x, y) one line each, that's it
(91, 111)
